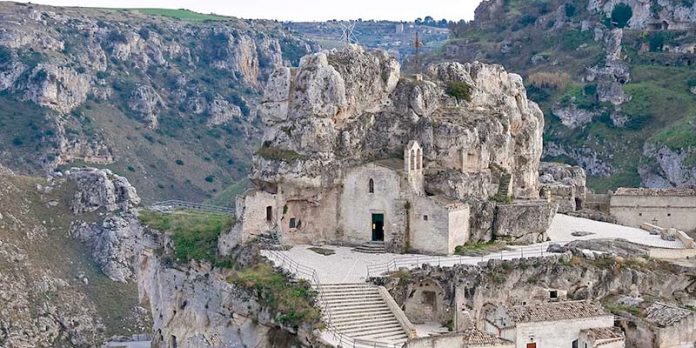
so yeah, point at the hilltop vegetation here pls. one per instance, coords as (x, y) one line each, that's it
(615, 83)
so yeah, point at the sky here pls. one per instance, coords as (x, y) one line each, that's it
(301, 10)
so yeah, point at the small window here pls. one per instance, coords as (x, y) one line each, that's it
(293, 223)
(669, 214)
(553, 294)
(640, 214)
(425, 217)
(269, 213)
(371, 186)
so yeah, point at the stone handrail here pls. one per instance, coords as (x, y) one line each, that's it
(400, 316)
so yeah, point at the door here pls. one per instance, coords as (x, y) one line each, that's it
(531, 345)
(378, 227)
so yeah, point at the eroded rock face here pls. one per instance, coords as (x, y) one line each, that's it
(573, 117)
(145, 101)
(343, 107)
(677, 14)
(59, 88)
(672, 170)
(116, 239)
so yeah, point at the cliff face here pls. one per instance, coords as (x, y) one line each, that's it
(345, 107)
(119, 88)
(611, 77)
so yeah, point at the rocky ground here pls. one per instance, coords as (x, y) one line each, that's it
(52, 293)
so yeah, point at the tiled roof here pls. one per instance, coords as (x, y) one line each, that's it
(665, 315)
(552, 311)
(604, 333)
(475, 336)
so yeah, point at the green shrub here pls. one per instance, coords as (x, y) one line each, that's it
(278, 154)
(292, 301)
(209, 178)
(194, 234)
(621, 14)
(570, 10)
(179, 162)
(459, 90)
(5, 54)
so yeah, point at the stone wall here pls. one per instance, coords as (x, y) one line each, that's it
(667, 211)
(357, 204)
(435, 228)
(251, 213)
(560, 333)
(680, 334)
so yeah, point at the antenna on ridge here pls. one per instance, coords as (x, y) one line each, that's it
(417, 44)
(348, 35)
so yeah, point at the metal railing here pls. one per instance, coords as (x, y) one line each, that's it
(537, 250)
(310, 274)
(178, 204)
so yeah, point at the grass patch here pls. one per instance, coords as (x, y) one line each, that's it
(194, 234)
(293, 302)
(278, 154)
(479, 248)
(618, 308)
(182, 14)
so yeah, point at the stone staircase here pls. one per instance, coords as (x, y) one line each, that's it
(360, 312)
(373, 247)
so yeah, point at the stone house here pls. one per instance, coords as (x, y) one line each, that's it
(552, 324)
(470, 338)
(667, 208)
(602, 337)
(378, 202)
(674, 327)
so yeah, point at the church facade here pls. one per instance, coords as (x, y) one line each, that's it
(378, 202)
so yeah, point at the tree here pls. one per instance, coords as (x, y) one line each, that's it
(428, 20)
(443, 23)
(418, 21)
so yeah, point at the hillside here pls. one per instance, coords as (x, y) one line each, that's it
(615, 79)
(52, 294)
(166, 98)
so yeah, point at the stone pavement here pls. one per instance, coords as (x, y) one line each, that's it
(563, 226)
(348, 266)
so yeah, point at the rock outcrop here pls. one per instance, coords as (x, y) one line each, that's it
(563, 184)
(675, 167)
(115, 239)
(344, 107)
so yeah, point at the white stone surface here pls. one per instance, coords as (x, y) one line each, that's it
(563, 226)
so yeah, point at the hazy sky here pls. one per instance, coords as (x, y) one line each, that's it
(301, 10)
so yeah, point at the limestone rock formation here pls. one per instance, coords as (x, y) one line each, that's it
(59, 88)
(116, 239)
(672, 169)
(347, 107)
(145, 101)
(563, 184)
(573, 117)
(479, 132)
(645, 15)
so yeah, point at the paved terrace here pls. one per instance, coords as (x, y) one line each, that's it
(348, 266)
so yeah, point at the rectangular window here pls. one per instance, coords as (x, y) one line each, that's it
(292, 223)
(425, 217)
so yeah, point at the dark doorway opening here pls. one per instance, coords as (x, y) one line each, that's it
(378, 227)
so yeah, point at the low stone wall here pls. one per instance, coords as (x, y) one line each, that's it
(660, 253)
(453, 340)
(686, 240)
(400, 316)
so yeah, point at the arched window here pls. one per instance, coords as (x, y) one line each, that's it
(420, 159)
(371, 186)
(269, 213)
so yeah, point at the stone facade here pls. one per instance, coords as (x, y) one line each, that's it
(667, 208)
(673, 326)
(602, 337)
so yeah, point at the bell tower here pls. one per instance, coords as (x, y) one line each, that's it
(413, 166)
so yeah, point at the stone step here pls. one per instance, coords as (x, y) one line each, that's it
(348, 307)
(399, 336)
(346, 320)
(379, 332)
(337, 301)
(366, 322)
(355, 294)
(359, 313)
(375, 330)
